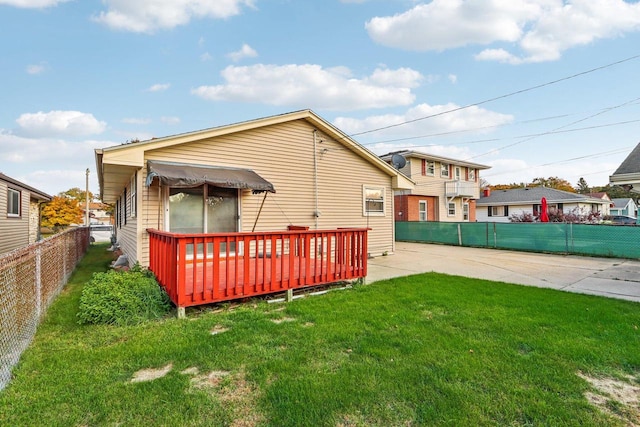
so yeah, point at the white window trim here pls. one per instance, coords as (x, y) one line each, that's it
(133, 200)
(444, 170)
(11, 214)
(364, 200)
(457, 172)
(471, 173)
(426, 210)
(433, 168)
(449, 210)
(466, 210)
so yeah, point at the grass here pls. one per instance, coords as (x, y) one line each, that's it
(429, 349)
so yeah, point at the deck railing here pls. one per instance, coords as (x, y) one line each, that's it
(197, 269)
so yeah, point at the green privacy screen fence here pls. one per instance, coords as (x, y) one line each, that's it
(566, 238)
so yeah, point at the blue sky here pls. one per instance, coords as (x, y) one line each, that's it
(79, 75)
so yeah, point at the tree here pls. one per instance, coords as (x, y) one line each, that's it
(551, 182)
(78, 194)
(61, 212)
(554, 182)
(615, 192)
(582, 187)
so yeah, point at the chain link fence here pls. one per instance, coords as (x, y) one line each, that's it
(617, 241)
(30, 279)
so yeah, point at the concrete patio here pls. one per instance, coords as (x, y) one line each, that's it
(609, 277)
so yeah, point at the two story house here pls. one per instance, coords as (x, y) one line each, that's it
(445, 189)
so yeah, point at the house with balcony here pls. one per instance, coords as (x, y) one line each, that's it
(499, 205)
(250, 208)
(445, 189)
(19, 213)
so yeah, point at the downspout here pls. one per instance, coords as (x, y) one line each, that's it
(316, 214)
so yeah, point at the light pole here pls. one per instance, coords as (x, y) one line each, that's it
(86, 195)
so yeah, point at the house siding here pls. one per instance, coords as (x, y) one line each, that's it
(14, 231)
(128, 233)
(432, 188)
(283, 154)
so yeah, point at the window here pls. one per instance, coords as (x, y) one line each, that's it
(458, 172)
(13, 202)
(451, 210)
(498, 211)
(428, 167)
(472, 174)
(132, 196)
(422, 210)
(444, 170)
(465, 211)
(373, 201)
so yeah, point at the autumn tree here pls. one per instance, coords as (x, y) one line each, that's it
(554, 182)
(61, 212)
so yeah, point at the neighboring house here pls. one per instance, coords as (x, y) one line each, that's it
(605, 197)
(627, 175)
(446, 189)
(98, 213)
(19, 213)
(499, 205)
(625, 207)
(265, 174)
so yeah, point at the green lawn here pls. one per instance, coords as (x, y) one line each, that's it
(423, 350)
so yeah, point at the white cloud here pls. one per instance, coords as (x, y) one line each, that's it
(312, 86)
(453, 78)
(206, 57)
(136, 121)
(147, 16)
(59, 123)
(170, 120)
(469, 118)
(160, 87)
(34, 69)
(245, 51)
(32, 4)
(542, 29)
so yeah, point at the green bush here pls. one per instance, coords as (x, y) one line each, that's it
(122, 298)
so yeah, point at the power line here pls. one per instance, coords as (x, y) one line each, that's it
(606, 110)
(500, 97)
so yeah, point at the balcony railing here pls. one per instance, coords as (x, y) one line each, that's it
(197, 269)
(461, 189)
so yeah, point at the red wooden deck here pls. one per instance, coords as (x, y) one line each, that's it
(198, 269)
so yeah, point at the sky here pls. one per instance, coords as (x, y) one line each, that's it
(531, 88)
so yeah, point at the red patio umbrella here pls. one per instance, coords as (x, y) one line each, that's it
(544, 216)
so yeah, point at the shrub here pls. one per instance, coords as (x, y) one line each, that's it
(122, 298)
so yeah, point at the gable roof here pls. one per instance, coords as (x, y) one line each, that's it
(623, 202)
(35, 193)
(116, 164)
(533, 195)
(628, 173)
(420, 155)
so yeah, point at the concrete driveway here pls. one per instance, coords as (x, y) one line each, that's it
(609, 277)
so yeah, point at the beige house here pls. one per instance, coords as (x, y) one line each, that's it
(445, 189)
(20, 213)
(263, 175)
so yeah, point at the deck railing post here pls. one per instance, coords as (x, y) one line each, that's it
(241, 265)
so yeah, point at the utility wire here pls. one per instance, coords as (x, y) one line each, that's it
(631, 58)
(606, 110)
